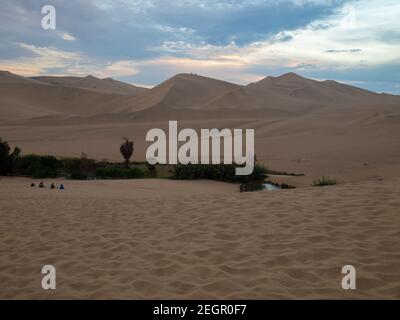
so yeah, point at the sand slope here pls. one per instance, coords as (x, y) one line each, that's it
(169, 239)
(108, 85)
(301, 125)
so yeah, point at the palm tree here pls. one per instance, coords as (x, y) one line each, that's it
(127, 149)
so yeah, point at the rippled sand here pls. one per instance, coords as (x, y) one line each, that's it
(198, 239)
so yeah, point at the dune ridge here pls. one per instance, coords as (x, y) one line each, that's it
(182, 94)
(302, 125)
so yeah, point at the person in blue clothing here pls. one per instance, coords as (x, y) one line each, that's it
(62, 187)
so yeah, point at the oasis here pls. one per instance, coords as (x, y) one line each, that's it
(188, 152)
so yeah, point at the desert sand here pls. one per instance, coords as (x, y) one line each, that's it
(198, 239)
(201, 239)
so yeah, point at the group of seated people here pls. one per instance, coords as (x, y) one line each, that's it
(52, 186)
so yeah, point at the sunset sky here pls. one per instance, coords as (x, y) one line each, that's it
(146, 41)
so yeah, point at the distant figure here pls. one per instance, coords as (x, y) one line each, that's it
(32, 184)
(41, 184)
(52, 186)
(62, 187)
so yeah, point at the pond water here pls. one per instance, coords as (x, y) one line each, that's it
(270, 187)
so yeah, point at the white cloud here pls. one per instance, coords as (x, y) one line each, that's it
(352, 37)
(358, 38)
(120, 69)
(47, 59)
(44, 58)
(68, 37)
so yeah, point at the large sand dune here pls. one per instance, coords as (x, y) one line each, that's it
(312, 127)
(92, 83)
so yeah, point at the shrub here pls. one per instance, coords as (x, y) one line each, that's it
(78, 175)
(83, 164)
(324, 181)
(38, 166)
(219, 172)
(286, 186)
(252, 186)
(119, 173)
(151, 170)
(7, 159)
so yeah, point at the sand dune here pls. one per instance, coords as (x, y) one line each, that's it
(184, 96)
(180, 92)
(8, 77)
(179, 240)
(107, 85)
(26, 101)
(302, 125)
(65, 97)
(170, 239)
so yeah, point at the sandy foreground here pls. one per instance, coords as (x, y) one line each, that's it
(198, 239)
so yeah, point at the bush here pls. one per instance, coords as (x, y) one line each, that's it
(151, 170)
(219, 172)
(78, 175)
(38, 166)
(281, 185)
(324, 181)
(119, 173)
(83, 164)
(252, 186)
(7, 159)
(286, 186)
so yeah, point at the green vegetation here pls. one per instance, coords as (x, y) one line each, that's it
(119, 173)
(82, 164)
(7, 158)
(37, 167)
(151, 170)
(83, 168)
(222, 172)
(252, 186)
(218, 172)
(324, 181)
(78, 175)
(40, 167)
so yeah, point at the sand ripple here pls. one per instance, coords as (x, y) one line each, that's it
(167, 239)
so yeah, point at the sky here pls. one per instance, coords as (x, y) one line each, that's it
(145, 42)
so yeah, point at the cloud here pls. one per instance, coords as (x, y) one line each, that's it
(146, 41)
(68, 37)
(343, 50)
(42, 60)
(50, 60)
(120, 69)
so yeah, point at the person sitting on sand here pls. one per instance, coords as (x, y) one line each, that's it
(32, 184)
(41, 184)
(62, 187)
(52, 186)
